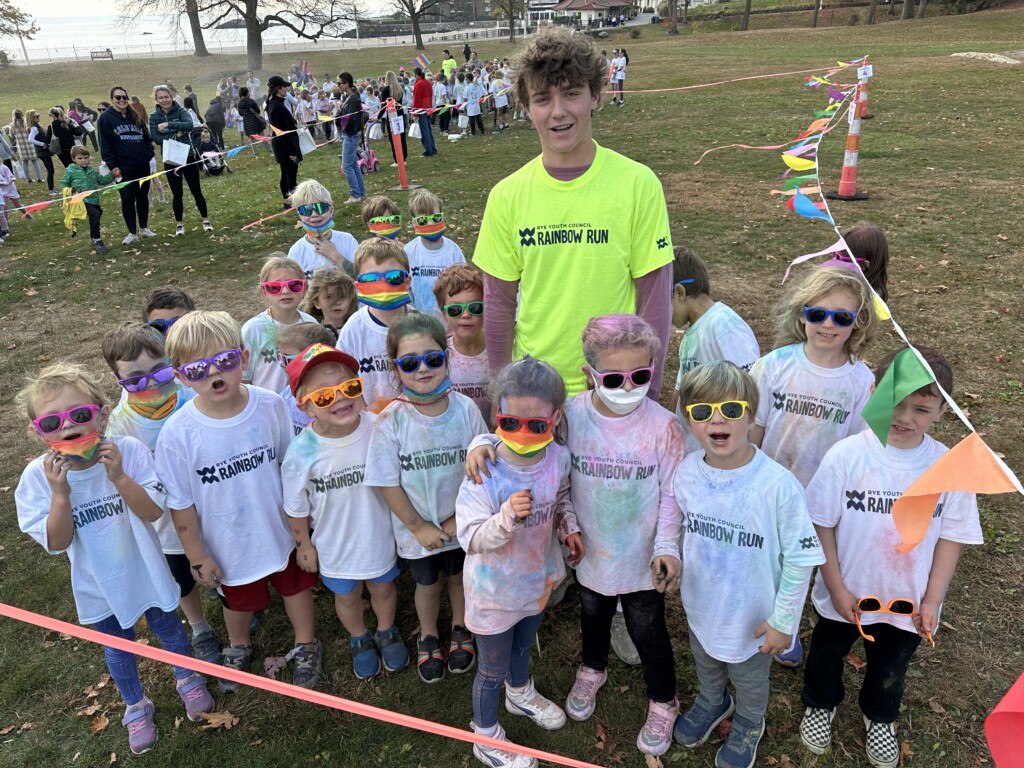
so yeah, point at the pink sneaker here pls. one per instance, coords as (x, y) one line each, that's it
(142, 733)
(656, 736)
(582, 698)
(195, 696)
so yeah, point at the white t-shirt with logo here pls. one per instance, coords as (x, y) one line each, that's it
(117, 567)
(718, 334)
(424, 455)
(806, 409)
(424, 267)
(512, 565)
(304, 252)
(323, 479)
(470, 376)
(622, 470)
(300, 420)
(366, 340)
(853, 492)
(738, 527)
(259, 336)
(125, 421)
(230, 470)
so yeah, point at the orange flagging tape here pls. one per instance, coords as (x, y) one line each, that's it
(279, 687)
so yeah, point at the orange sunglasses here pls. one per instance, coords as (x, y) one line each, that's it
(898, 606)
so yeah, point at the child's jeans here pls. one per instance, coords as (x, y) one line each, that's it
(94, 212)
(749, 678)
(501, 658)
(888, 658)
(644, 613)
(123, 669)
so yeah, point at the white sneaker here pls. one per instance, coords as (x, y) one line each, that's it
(179, 230)
(501, 758)
(526, 701)
(132, 238)
(880, 744)
(147, 232)
(207, 226)
(583, 697)
(816, 729)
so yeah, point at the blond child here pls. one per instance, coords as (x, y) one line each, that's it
(321, 245)
(430, 252)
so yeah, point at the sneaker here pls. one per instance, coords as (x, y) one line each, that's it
(142, 733)
(206, 648)
(740, 748)
(235, 657)
(794, 656)
(461, 651)
(816, 729)
(29, 216)
(583, 697)
(207, 226)
(100, 246)
(364, 657)
(526, 701)
(881, 746)
(195, 696)
(147, 232)
(4, 233)
(429, 662)
(131, 238)
(656, 736)
(699, 722)
(179, 230)
(392, 649)
(622, 643)
(500, 758)
(352, 200)
(309, 663)
(55, 193)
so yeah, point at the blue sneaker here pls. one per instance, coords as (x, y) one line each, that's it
(365, 661)
(794, 656)
(740, 748)
(392, 649)
(696, 726)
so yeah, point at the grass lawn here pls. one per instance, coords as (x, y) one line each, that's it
(937, 162)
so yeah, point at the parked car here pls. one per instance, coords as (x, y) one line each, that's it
(655, 19)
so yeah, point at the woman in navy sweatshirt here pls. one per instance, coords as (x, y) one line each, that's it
(127, 150)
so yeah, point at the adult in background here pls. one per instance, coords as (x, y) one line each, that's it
(286, 147)
(423, 99)
(392, 90)
(351, 128)
(466, 52)
(255, 87)
(215, 120)
(39, 138)
(126, 149)
(139, 109)
(171, 121)
(18, 130)
(87, 119)
(66, 132)
(252, 123)
(449, 64)
(575, 189)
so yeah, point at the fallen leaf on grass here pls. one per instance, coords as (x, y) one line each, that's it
(723, 729)
(177, 722)
(99, 724)
(601, 735)
(26, 727)
(786, 762)
(214, 720)
(936, 707)
(33, 291)
(856, 661)
(1004, 238)
(113, 758)
(623, 688)
(653, 761)
(7, 730)
(272, 665)
(90, 710)
(905, 750)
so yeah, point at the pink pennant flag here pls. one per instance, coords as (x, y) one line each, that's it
(838, 245)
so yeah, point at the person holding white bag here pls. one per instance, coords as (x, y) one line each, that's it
(171, 126)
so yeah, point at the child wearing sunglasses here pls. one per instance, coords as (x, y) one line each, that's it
(164, 305)
(283, 287)
(96, 499)
(352, 542)
(331, 298)
(151, 394)
(813, 387)
(748, 553)
(382, 287)
(382, 217)
(292, 341)
(867, 586)
(321, 245)
(430, 252)
(459, 291)
(219, 457)
(416, 455)
(510, 526)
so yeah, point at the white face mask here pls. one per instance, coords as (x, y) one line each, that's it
(620, 401)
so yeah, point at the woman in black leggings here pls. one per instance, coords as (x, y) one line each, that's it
(127, 150)
(170, 121)
(286, 147)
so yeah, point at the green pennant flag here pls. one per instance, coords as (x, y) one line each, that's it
(796, 181)
(905, 376)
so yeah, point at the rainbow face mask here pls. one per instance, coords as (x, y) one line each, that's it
(384, 290)
(320, 231)
(429, 227)
(80, 449)
(387, 227)
(525, 437)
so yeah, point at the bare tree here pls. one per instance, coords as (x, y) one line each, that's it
(416, 10)
(871, 12)
(511, 10)
(814, 13)
(134, 9)
(920, 8)
(198, 42)
(746, 17)
(908, 9)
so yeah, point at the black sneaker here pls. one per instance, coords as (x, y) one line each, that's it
(429, 662)
(461, 651)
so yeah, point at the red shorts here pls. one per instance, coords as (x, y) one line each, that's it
(246, 598)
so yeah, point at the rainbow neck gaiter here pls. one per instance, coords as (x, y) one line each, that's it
(157, 403)
(525, 444)
(380, 295)
(432, 232)
(80, 449)
(320, 231)
(387, 227)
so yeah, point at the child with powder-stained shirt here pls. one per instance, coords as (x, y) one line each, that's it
(459, 291)
(290, 343)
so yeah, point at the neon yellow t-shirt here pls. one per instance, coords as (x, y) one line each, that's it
(575, 247)
(449, 66)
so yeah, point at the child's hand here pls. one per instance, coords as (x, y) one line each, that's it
(845, 603)
(430, 536)
(206, 572)
(522, 503)
(448, 526)
(110, 458)
(476, 463)
(926, 620)
(56, 468)
(576, 549)
(306, 557)
(667, 571)
(328, 250)
(774, 641)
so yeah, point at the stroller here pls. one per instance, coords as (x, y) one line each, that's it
(212, 166)
(368, 162)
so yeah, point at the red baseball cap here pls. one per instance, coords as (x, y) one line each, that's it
(312, 356)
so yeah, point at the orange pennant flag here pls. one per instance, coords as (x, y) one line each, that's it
(277, 131)
(968, 467)
(814, 127)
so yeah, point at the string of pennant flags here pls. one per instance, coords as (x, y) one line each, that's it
(971, 466)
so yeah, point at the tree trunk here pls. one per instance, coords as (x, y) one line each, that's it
(746, 17)
(814, 13)
(686, 8)
(253, 37)
(673, 12)
(192, 10)
(920, 8)
(908, 9)
(415, 19)
(871, 12)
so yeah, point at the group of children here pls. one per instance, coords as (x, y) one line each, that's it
(344, 435)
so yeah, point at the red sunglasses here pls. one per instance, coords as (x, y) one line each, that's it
(274, 287)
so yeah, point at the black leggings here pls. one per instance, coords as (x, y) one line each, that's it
(191, 175)
(217, 133)
(65, 158)
(289, 176)
(474, 121)
(135, 198)
(47, 161)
